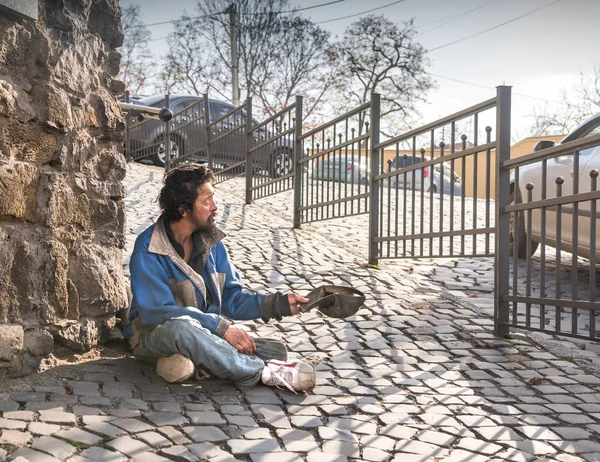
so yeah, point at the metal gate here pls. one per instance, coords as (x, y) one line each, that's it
(550, 195)
(434, 197)
(227, 146)
(271, 152)
(333, 166)
(187, 135)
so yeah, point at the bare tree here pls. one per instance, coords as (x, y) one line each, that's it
(189, 67)
(280, 54)
(575, 106)
(258, 26)
(135, 63)
(376, 56)
(304, 67)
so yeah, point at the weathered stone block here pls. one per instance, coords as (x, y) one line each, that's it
(18, 187)
(38, 342)
(63, 204)
(34, 283)
(26, 141)
(79, 336)
(8, 97)
(11, 340)
(97, 272)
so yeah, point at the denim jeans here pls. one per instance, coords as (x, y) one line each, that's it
(186, 336)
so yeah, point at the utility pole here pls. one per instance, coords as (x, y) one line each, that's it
(235, 93)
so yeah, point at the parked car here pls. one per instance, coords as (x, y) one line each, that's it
(347, 169)
(443, 178)
(562, 166)
(191, 137)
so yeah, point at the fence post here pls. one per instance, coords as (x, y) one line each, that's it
(249, 142)
(501, 257)
(374, 185)
(167, 138)
(127, 123)
(297, 157)
(207, 129)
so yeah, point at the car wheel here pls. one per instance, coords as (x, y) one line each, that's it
(282, 163)
(432, 188)
(159, 157)
(517, 229)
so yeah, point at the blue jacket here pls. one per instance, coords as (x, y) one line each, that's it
(164, 286)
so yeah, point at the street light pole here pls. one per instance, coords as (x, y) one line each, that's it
(235, 93)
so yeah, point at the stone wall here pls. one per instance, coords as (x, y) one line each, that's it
(61, 193)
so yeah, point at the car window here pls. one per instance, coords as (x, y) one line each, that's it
(219, 110)
(400, 162)
(594, 131)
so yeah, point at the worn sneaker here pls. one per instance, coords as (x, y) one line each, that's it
(175, 368)
(293, 375)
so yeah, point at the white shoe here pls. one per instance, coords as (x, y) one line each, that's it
(293, 375)
(175, 368)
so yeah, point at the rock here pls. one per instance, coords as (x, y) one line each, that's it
(18, 188)
(11, 341)
(97, 272)
(38, 342)
(80, 336)
(8, 97)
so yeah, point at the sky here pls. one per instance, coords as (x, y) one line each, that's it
(538, 54)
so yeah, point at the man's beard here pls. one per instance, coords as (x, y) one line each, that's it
(209, 225)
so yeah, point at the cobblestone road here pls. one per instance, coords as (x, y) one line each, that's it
(416, 375)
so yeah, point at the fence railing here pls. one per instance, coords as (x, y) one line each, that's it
(270, 156)
(334, 168)
(549, 198)
(425, 208)
(227, 144)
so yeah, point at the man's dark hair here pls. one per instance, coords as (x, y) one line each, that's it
(180, 189)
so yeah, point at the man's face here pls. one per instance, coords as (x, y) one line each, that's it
(205, 210)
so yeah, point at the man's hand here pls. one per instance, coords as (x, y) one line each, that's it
(240, 339)
(295, 300)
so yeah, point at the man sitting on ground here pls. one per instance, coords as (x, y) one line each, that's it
(185, 289)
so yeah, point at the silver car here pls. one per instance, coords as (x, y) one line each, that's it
(562, 166)
(347, 169)
(442, 178)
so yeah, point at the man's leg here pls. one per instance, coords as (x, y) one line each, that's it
(187, 337)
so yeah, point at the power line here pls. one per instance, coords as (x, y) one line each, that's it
(491, 88)
(173, 21)
(495, 27)
(359, 14)
(300, 9)
(454, 18)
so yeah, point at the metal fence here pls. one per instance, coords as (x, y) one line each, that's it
(227, 144)
(187, 135)
(549, 198)
(425, 209)
(270, 155)
(333, 170)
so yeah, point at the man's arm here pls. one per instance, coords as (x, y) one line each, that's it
(241, 305)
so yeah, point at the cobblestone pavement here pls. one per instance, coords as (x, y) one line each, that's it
(416, 375)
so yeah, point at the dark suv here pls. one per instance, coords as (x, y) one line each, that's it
(189, 136)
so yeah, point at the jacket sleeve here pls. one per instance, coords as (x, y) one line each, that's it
(154, 301)
(236, 303)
